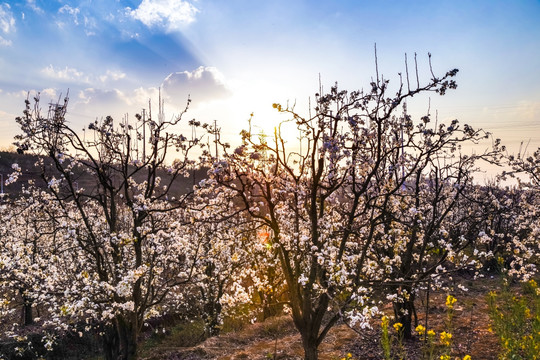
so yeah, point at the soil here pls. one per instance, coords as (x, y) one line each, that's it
(277, 338)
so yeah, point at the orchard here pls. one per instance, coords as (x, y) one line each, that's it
(370, 206)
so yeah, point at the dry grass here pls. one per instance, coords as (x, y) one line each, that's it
(277, 338)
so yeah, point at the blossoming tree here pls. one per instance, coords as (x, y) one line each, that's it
(424, 189)
(318, 198)
(125, 256)
(524, 248)
(27, 242)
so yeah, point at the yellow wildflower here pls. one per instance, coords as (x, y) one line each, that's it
(445, 357)
(445, 338)
(431, 333)
(384, 321)
(450, 301)
(398, 326)
(467, 357)
(420, 330)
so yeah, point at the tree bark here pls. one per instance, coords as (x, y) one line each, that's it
(27, 315)
(120, 341)
(309, 342)
(110, 343)
(403, 312)
(212, 312)
(128, 339)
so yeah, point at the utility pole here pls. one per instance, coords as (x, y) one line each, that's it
(402, 140)
(161, 113)
(143, 135)
(216, 137)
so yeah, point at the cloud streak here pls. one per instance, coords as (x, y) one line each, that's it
(32, 5)
(69, 74)
(7, 21)
(7, 24)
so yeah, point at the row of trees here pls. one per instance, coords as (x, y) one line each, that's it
(368, 202)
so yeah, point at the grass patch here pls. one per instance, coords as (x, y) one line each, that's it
(515, 318)
(184, 334)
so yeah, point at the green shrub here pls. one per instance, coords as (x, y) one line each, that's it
(516, 321)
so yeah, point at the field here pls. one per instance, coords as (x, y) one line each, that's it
(276, 338)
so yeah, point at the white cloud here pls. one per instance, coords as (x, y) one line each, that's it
(21, 94)
(93, 95)
(92, 103)
(7, 21)
(49, 94)
(112, 75)
(142, 95)
(32, 5)
(46, 95)
(74, 12)
(4, 42)
(123, 100)
(170, 15)
(66, 74)
(114, 102)
(78, 18)
(201, 85)
(89, 25)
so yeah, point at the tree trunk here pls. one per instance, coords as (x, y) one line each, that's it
(212, 313)
(269, 305)
(27, 316)
(120, 341)
(403, 312)
(309, 342)
(110, 343)
(128, 339)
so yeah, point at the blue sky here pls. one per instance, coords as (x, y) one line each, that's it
(236, 57)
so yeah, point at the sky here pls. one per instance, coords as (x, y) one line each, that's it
(238, 57)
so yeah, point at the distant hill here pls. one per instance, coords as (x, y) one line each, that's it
(32, 172)
(29, 171)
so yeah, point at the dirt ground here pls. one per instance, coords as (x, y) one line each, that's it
(277, 338)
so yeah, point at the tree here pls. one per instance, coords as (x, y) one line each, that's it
(125, 256)
(236, 277)
(528, 165)
(319, 198)
(224, 277)
(423, 190)
(27, 241)
(523, 248)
